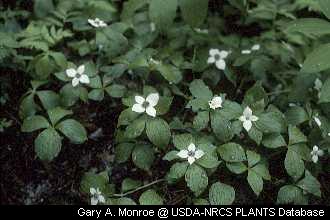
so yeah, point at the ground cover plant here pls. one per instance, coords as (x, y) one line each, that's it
(173, 102)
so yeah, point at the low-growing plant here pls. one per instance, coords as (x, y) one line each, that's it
(215, 98)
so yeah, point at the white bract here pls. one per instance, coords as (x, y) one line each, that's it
(97, 22)
(218, 57)
(253, 48)
(316, 153)
(146, 104)
(247, 118)
(317, 121)
(152, 27)
(216, 102)
(201, 31)
(191, 154)
(246, 51)
(318, 84)
(78, 75)
(96, 196)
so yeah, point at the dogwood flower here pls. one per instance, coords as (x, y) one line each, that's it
(255, 47)
(146, 104)
(191, 154)
(246, 51)
(201, 31)
(152, 27)
(218, 57)
(317, 121)
(318, 84)
(216, 102)
(97, 23)
(247, 118)
(78, 75)
(96, 196)
(316, 153)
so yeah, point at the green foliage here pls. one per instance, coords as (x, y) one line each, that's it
(178, 84)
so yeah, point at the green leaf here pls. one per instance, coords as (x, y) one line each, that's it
(325, 92)
(130, 184)
(221, 127)
(131, 6)
(325, 7)
(201, 91)
(254, 95)
(143, 156)
(44, 67)
(310, 184)
(123, 152)
(34, 123)
(49, 99)
(48, 144)
(273, 141)
(73, 130)
(136, 128)
(201, 120)
(296, 115)
(158, 132)
(255, 181)
(177, 171)
(56, 114)
(296, 136)
(151, 197)
(169, 72)
(95, 180)
(232, 152)
(262, 171)
(237, 168)
(43, 7)
(126, 117)
(116, 91)
(182, 141)
(294, 164)
(255, 134)
(221, 194)
(252, 157)
(28, 107)
(196, 179)
(309, 26)
(194, 12)
(172, 155)
(290, 194)
(317, 61)
(271, 122)
(162, 13)
(96, 94)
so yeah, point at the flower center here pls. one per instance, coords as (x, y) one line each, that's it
(191, 153)
(217, 57)
(145, 104)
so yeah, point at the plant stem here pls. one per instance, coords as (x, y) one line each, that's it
(139, 188)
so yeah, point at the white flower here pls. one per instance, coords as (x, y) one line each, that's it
(216, 102)
(78, 75)
(97, 22)
(201, 31)
(146, 105)
(316, 153)
(246, 51)
(255, 47)
(96, 196)
(154, 62)
(318, 84)
(218, 57)
(317, 121)
(247, 118)
(191, 154)
(152, 27)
